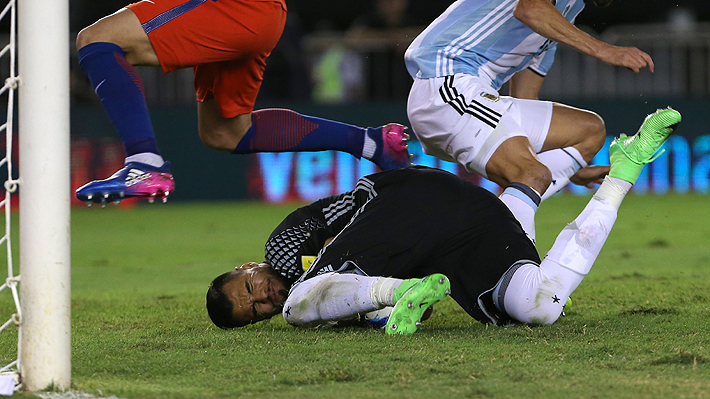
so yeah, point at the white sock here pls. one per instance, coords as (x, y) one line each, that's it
(369, 147)
(328, 297)
(523, 202)
(613, 191)
(382, 291)
(578, 245)
(563, 163)
(537, 295)
(147, 158)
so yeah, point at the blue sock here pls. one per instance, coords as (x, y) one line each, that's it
(120, 89)
(283, 130)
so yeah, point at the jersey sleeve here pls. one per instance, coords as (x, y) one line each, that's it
(296, 241)
(338, 210)
(542, 63)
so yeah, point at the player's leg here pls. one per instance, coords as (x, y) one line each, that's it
(107, 50)
(533, 294)
(325, 299)
(283, 130)
(124, 29)
(577, 128)
(574, 137)
(563, 152)
(460, 119)
(515, 166)
(280, 130)
(329, 297)
(564, 138)
(227, 91)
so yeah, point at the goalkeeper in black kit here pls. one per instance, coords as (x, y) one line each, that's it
(407, 238)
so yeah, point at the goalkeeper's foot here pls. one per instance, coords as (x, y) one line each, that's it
(628, 155)
(392, 150)
(411, 305)
(135, 180)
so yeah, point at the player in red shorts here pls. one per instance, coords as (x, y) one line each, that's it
(227, 43)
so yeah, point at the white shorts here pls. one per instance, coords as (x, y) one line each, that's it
(461, 119)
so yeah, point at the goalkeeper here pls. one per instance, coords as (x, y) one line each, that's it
(431, 234)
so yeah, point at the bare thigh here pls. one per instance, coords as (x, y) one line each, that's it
(125, 30)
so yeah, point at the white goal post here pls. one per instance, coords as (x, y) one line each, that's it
(44, 187)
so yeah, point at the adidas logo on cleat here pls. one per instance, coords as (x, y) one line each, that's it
(136, 176)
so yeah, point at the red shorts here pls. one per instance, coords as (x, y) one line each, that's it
(225, 41)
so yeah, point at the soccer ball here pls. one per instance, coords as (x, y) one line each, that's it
(378, 318)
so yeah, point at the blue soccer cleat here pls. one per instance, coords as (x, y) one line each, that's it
(135, 180)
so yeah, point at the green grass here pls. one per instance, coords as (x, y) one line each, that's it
(638, 327)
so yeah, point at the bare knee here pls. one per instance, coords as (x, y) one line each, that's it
(217, 132)
(594, 135)
(531, 296)
(220, 139)
(515, 161)
(222, 136)
(574, 127)
(86, 36)
(534, 174)
(124, 29)
(109, 29)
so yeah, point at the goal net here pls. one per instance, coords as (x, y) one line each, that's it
(9, 375)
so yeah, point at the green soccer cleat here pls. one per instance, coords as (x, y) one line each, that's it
(627, 155)
(405, 286)
(411, 305)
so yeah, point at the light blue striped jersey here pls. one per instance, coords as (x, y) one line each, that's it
(482, 38)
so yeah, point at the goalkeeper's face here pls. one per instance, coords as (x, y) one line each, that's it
(256, 294)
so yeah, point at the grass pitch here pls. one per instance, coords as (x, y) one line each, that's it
(638, 326)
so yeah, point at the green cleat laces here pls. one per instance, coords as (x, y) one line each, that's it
(628, 155)
(411, 305)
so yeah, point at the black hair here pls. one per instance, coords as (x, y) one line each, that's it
(219, 306)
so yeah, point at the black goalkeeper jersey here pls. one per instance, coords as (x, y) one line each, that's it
(413, 222)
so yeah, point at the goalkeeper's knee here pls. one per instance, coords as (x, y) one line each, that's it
(536, 294)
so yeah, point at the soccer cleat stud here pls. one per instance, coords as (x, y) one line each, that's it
(407, 313)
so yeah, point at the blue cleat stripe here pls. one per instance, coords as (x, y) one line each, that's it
(171, 14)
